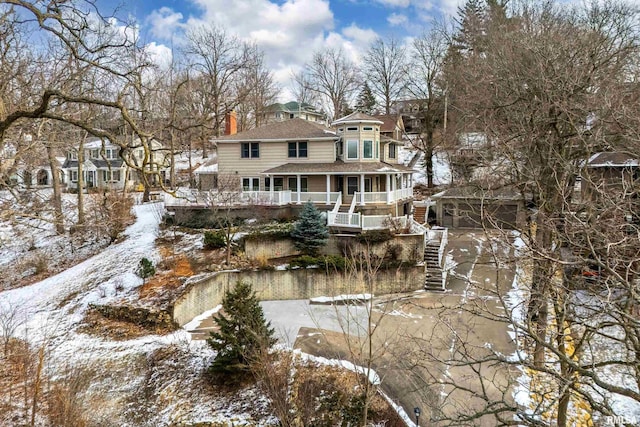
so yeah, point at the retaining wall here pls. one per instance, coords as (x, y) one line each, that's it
(290, 284)
(412, 247)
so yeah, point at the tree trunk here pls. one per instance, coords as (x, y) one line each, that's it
(172, 170)
(80, 183)
(57, 191)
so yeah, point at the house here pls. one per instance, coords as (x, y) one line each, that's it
(474, 207)
(349, 169)
(410, 111)
(291, 110)
(104, 166)
(392, 126)
(609, 171)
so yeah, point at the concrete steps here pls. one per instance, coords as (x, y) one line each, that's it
(433, 271)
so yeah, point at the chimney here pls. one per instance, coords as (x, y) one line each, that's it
(230, 123)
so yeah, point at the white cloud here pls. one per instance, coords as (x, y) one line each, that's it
(397, 19)
(165, 22)
(395, 3)
(359, 35)
(159, 54)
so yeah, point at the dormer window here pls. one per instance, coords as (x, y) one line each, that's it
(73, 155)
(392, 151)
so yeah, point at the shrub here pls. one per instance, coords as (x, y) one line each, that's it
(146, 269)
(310, 232)
(327, 262)
(270, 235)
(214, 240)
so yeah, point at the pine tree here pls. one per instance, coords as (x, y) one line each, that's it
(472, 31)
(366, 102)
(242, 332)
(310, 232)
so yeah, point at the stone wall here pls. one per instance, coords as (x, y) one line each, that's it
(412, 247)
(287, 285)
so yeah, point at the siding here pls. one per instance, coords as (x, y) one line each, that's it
(272, 154)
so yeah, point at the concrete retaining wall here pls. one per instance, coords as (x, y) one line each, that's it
(287, 285)
(412, 247)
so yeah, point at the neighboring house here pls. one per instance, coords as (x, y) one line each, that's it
(36, 176)
(103, 166)
(473, 207)
(207, 175)
(292, 110)
(392, 126)
(350, 169)
(609, 171)
(410, 111)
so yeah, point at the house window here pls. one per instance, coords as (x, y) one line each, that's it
(111, 175)
(367, 185)
(250, 184)
(298, 149)
(367, 128)
(277, 115)
(73, 155)
(95, 153)
(291, 115)
(367, 148)
(377, 149)
(111, 153)
(392, 151)
(352, 128)
(352, 149)
(278, 183)
(250, 150)
(74, 176)
(352, 184)
(293, 184)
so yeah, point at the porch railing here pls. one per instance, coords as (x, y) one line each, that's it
(315, 197)
(344, 219)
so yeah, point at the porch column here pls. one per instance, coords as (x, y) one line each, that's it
(388, 188)
(362, 189)
(271, 192)
(299, 182)
(328, 189)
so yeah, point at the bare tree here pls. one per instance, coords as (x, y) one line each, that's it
(264, 91)
(333, 77)
(425, 84)
(387, 71)
(221, 61)
(553, 88)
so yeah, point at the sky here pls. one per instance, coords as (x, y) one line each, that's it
(287, 31)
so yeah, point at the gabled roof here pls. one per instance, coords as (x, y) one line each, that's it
(338, 167)
(612, 160)
(357, 117)
(389, 122)
(286, 130)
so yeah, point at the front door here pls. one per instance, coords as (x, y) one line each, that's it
(340, 183)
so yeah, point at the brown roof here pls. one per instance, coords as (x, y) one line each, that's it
(612, 159)
(285, 130)
(389, 122)
(356, 117)
(475, 192)
(337, 167)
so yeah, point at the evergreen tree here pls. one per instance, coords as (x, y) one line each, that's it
(472, 31)
(366, 102)
(310, 232)
(145, 269)
(242, 331)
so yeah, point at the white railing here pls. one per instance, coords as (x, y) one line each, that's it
(417, 228)
(375, 197)
(372, 222)
(315, 197)
(354, 199)
(344, 219)
(403, 193)
(336, 207)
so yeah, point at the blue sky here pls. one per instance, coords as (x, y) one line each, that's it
(288, 31)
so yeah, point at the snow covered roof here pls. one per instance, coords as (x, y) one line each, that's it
(612, 160)
(210, 166)
(338, 167)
